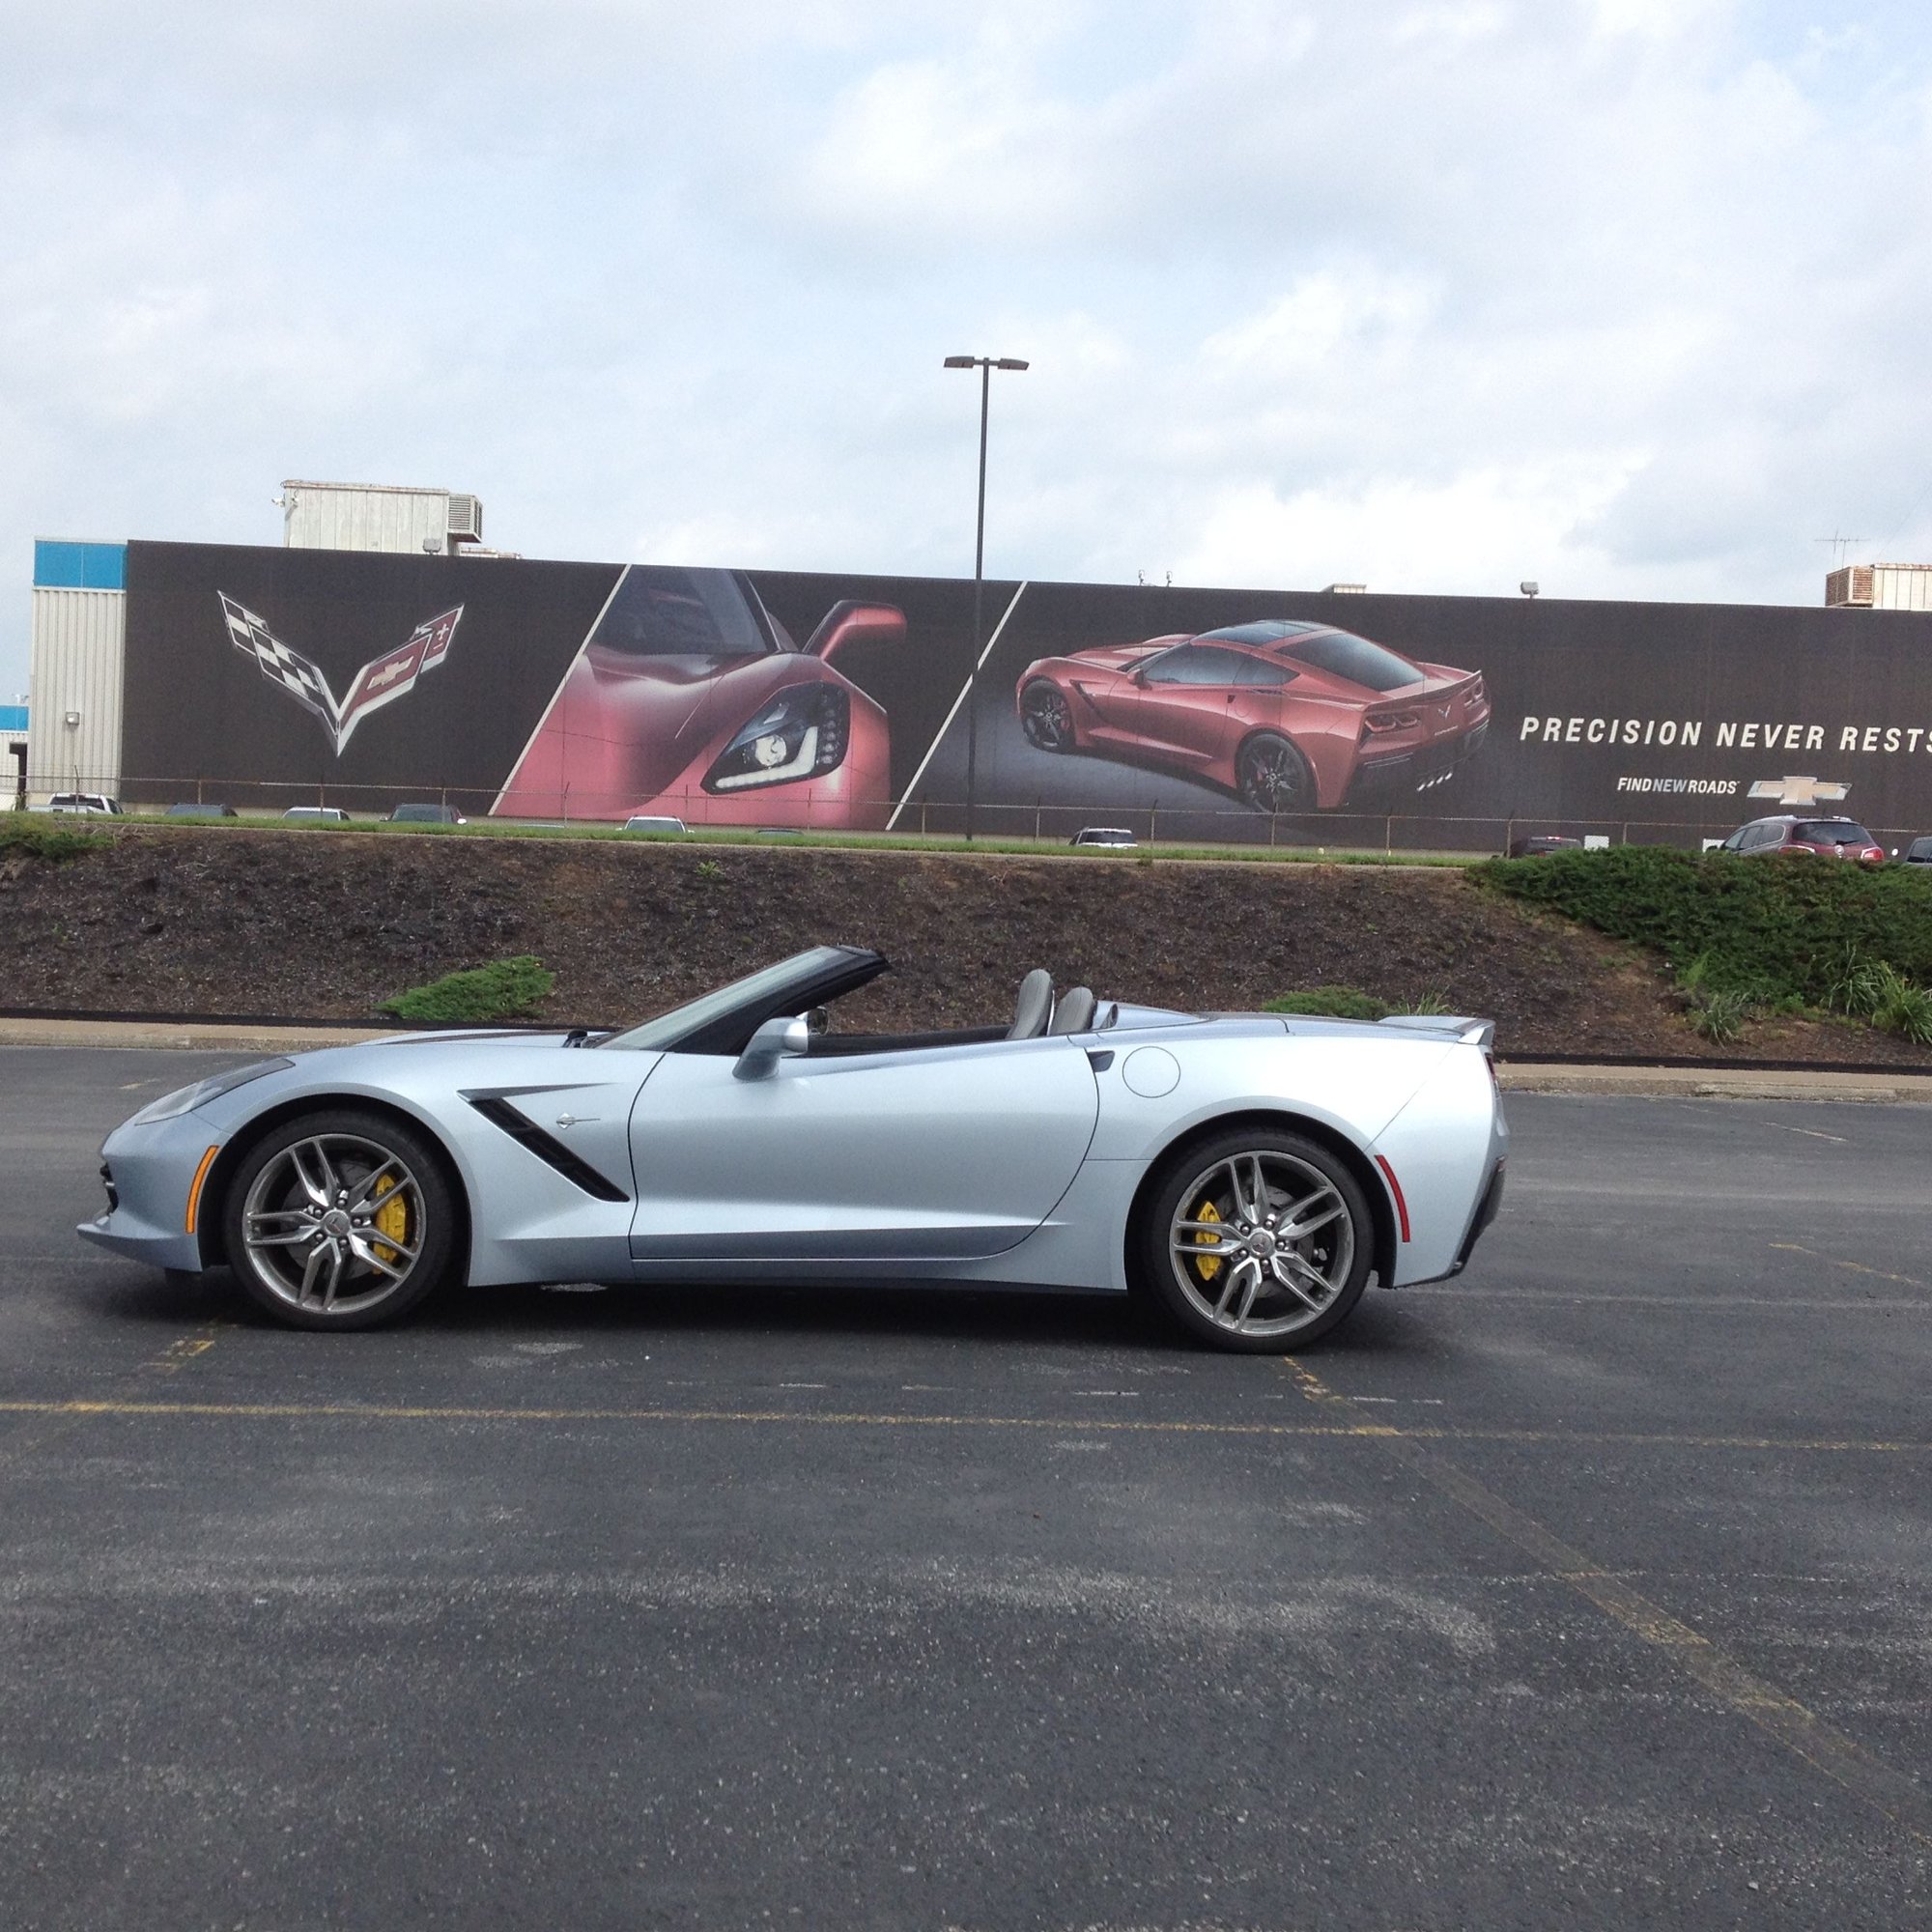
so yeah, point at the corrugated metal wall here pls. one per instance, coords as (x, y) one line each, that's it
(1902, 586)
(344, 515)
(80, 640)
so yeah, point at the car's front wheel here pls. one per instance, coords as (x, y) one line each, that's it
(1273, 775)
(1045, 717)
(340, 1219)
(1258, 1241)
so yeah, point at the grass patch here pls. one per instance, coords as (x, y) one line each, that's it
(39, 839)
(1775, 932)
(862, 841)
(507, 989)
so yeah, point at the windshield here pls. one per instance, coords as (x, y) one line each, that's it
(668, 1029)
(659, 611)
(1343, 654)
(1264, 631)
(1831, 832)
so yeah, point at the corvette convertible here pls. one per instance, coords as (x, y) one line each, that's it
(1250, 1172)
(1288, 715)
(689, 697)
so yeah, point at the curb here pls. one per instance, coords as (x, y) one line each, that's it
(206, 1036)
(1713, 1083)
(1515, 1076)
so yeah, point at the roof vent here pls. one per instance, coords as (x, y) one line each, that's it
(1850, 588)
(466, 519)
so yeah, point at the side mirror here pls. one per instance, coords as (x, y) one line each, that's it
(785, 1037)
(850, 623)
(1141, 679)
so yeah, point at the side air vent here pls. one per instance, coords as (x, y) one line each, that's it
(466, 519)
(547, 1147)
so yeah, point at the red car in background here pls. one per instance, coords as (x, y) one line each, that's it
(689, 698)
(1288, 715)
(1807, 837)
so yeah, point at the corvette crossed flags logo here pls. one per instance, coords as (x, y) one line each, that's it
(380, 681)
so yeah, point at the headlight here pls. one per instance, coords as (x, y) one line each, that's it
(800, 734)
(185, 1099)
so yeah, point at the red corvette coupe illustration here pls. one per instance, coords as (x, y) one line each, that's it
(1288, 715)
(689, 697)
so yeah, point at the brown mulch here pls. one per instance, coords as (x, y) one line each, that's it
(319, 925)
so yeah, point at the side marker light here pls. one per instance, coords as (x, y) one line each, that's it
(201, 1175)
(1394, 1188)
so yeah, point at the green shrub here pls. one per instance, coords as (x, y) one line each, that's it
(1719, 1017)
(1875, 990)
(1333, 1003)
(505, 989)
(1778, 932)
(39, 838)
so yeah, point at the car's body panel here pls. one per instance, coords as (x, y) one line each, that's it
(687, 1155)
(934, 1158)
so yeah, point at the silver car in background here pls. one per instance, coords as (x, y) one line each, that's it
(1248, 1171)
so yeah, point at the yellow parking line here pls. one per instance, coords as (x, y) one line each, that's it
(1833, 1260)
(1818, 1742)
(811, 1418)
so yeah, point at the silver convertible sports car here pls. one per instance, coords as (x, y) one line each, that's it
(1251, 1170)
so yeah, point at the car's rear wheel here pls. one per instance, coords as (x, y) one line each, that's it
(1257, 1241)
(340, 1219)
(1045, 717)
(1273, 775)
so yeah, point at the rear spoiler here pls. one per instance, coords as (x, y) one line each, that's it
(1468, 1031)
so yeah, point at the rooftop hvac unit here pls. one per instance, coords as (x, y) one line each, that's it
(1850, 588)
(466, 519)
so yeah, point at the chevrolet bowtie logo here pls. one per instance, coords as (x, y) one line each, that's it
(1800, 793)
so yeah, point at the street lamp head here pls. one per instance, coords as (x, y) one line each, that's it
(1008, 362)
(960, 362)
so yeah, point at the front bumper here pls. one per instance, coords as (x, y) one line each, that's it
(148, 1172)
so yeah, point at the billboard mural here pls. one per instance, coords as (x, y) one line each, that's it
(581, 690)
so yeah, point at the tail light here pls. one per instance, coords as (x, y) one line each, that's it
(1375, 723)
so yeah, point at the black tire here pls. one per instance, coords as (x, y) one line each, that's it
(1047, 718)
(1273, 775)
(1187, 1268)
(374, 1251)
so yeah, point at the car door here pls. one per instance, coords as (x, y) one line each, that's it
(921, 1154)
(1188, 705)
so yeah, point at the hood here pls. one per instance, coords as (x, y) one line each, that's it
(1119, 657)
(624, 729)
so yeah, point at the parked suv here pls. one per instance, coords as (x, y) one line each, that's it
(1918, 852)
(91, 804)
(1818, 838)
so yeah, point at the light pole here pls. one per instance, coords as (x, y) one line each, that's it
(985, 365)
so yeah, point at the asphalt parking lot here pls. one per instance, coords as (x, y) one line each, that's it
(1588, 1590)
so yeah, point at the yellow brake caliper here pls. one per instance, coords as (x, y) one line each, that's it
(1205, 1269)
(392, 1218)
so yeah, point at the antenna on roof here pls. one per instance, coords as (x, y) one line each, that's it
(1841, 545)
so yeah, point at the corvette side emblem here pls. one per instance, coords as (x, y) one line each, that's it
(1800, 793)
(379, 682)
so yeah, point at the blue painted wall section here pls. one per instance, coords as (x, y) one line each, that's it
(79, 566)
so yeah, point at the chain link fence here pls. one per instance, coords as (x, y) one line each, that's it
(1182, 824)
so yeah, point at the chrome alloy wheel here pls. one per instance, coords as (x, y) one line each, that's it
(1262, 1244)
(333, 1224)
(1045, 717)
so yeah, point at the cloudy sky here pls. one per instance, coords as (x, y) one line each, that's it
(1627, 296)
